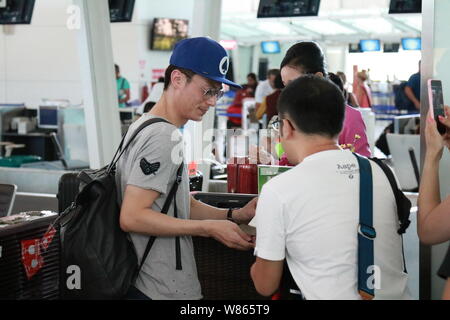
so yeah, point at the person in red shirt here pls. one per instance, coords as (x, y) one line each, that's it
(236, 107)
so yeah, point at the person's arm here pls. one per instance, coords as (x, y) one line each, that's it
(126, 90)
(446, 294)
(261, 109)
(266, 275)
(410, 94)
(270, 248)
(137, 216)
(127, 96)
(353, 100)
(356, 81)
(202, 211)
(433, 223)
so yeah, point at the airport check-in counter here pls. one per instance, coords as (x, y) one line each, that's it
(224, 273)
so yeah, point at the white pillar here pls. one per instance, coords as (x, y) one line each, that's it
(207, 16)
(99, 84)
(435, 64)
(206, 22)
(255, 59)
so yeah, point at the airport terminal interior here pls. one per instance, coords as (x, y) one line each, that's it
(75, 74)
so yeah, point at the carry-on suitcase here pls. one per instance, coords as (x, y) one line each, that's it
(29, 257)
(68, 188)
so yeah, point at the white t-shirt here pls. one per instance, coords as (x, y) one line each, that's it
(263, 90)
(310, 215)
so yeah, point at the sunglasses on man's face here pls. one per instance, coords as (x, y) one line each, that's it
(210, 92)
(213, 92)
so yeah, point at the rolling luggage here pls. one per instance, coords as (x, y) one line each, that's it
(29, 257)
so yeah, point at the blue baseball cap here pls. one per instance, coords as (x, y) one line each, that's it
(203, 56)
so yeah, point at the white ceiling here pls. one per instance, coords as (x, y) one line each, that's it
(338, 22)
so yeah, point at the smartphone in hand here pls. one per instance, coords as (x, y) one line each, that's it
(436, 99)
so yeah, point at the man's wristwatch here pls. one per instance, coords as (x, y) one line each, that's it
(230, 215)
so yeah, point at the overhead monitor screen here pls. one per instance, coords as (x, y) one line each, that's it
(370, 45)
(405, 6)
(270, 47)
(121, 10)
(391, 47)
(354, 48)
(167, 32)
(288, 8)
(16, 11)
(412, 44)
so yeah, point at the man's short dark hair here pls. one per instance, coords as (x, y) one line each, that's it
(167, 76)
(117, 68)
(336, 80)
(315, 105)
(279, 82)
(306, 56)
(253, 76)
(273, 72)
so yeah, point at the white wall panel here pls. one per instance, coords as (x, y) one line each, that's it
(2, 91)
(50, 13)
(32, 92)
(42, 53)
(2, 56)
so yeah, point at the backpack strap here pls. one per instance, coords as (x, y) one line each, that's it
(165, 209)
(366, 232)
(120, 151)
(403, 203)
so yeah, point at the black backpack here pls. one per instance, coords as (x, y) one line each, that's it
(92, 242)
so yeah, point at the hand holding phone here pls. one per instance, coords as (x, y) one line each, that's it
(436, 100)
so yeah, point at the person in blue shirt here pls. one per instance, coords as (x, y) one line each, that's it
(123, 88)
(412, 91)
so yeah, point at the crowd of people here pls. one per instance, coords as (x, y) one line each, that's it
(307, 219)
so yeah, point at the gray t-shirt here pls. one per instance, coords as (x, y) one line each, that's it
(160, 143)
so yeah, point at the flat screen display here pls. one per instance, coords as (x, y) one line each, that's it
(121, 10)
(405, 6)
(412, 44)
(288, 8)
(16, 11)
(354, 48)
(48, 117)
(269, 47)
(370, 45)
(391, 47)
(167, 32)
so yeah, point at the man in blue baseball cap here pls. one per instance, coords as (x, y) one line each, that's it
(149, 172)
